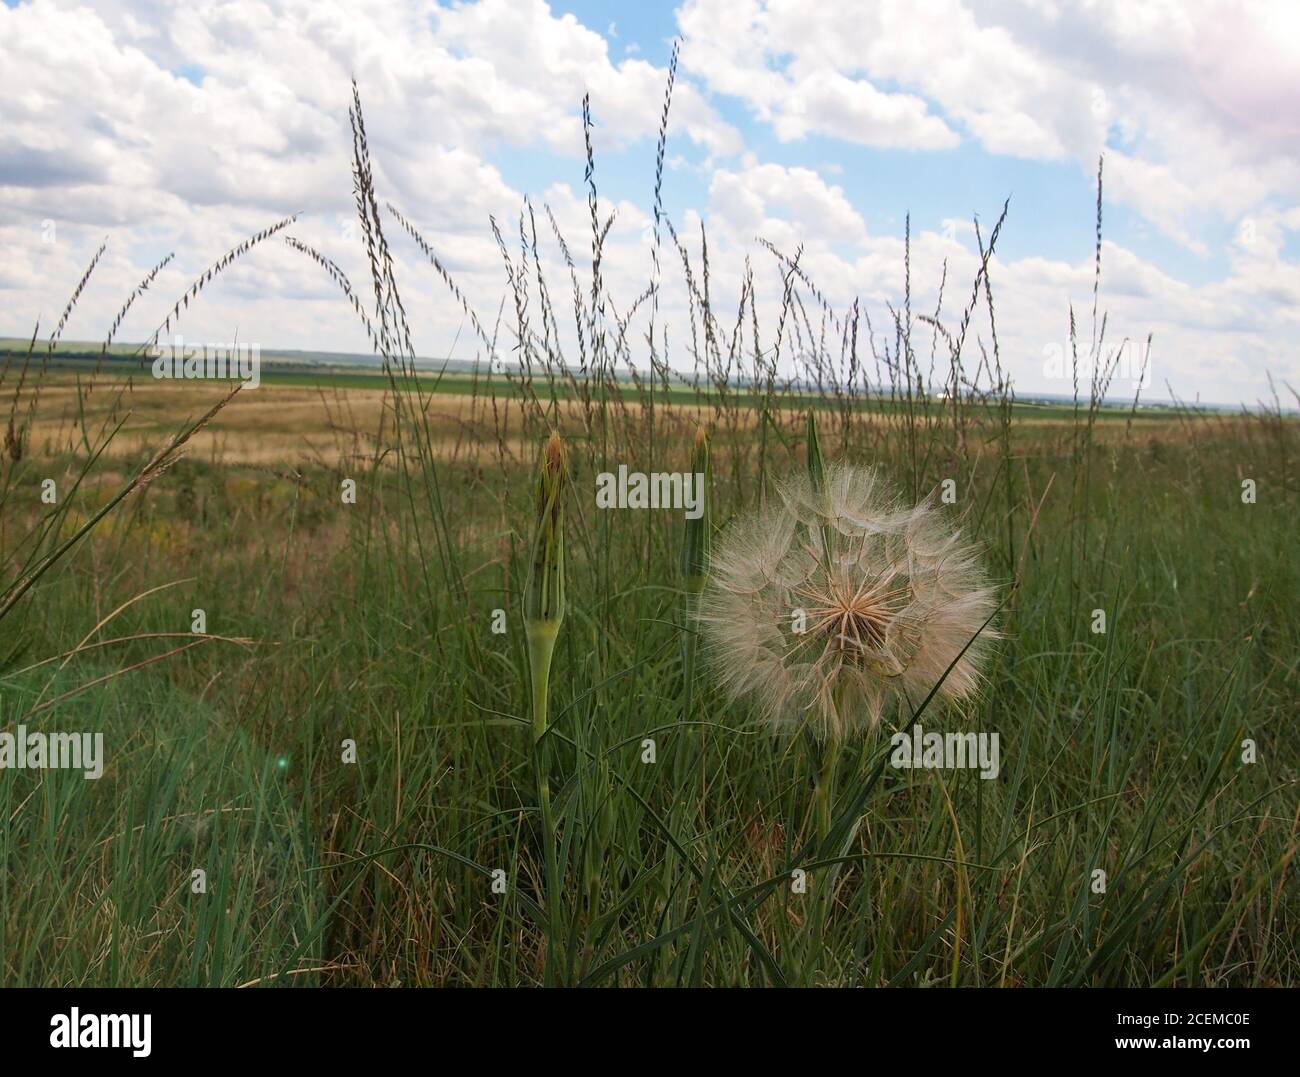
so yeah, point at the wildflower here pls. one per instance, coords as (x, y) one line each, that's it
(837, 604)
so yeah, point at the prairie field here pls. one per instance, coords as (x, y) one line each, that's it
(313, 622)
(372, 622)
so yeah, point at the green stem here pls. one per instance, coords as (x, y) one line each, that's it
(541, 647)
(824, 884)
(825, 793)
(689, 644)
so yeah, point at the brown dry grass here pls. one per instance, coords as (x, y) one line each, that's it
(292, 425)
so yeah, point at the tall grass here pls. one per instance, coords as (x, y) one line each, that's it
(372, 622)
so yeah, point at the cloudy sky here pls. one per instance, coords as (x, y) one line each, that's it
(183, 128)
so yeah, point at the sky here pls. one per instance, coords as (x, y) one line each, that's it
(182, 129)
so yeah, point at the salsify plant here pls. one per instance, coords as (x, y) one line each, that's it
(544, 606)
(836, 604)
(544, 602)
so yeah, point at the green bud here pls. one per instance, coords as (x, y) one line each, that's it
(816, 465)
(544, 597)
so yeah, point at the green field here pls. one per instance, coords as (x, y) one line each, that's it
(321, 373)
(373, 623)
(330, 758)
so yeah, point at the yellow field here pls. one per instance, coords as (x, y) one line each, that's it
(277, 424)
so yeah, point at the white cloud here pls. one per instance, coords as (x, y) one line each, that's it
(105, 135)
(1196, 99)
(119, 143)
(529, 68)
(796, 201)
(734, 46)
(826, 102)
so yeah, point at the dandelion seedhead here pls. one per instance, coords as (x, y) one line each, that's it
(837, 603)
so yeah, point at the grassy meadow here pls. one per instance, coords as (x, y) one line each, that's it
(373, 623)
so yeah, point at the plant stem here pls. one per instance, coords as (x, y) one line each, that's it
(824, 884)
(825, 792)
(542, 646)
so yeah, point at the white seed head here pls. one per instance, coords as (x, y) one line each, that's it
(890, 595)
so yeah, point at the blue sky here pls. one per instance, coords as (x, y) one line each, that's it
(1053, 201)
(823, 125)
(1054, 198)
